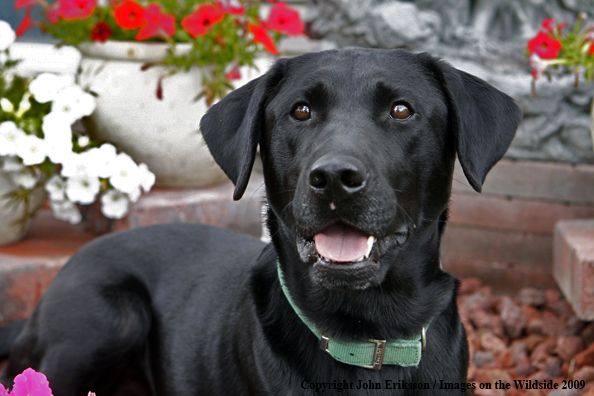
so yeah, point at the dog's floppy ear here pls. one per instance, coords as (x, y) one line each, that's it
(484, 121)
(232, 127)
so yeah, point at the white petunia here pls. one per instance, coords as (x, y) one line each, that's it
(102, 160)
(25, 179)
(58, 137)
(59, 148)
(55, 124)
(135, 195)
(73, 103)
(114, 204)
(74, 165)
(46, 86)
(83, 189)
(11, 164)
(126, 175)
(31, 149)
(147, 178)
(7, 35)
(66, 211)
(56, 188)
(9, 134)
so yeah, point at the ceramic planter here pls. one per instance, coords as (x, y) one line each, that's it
(164, 134)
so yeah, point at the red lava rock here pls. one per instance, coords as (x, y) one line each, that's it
(568, 346)
(536, 326)
(487, 322)
(518, 350)
(483, 357)
(474, 342)
(589, 391)
(552, 296)
(586, 357)
(530, 312)
(513, 319)
(573, 326)
(491, 376)
(538, 376)
(534, 335)
(553, 325)
(533, 297)
(505, 359)
(587, 334)
(491, 343)
(470, 285)
(562, 308)
(586, 373)
(553, 367)
(541, 353)
(476, 301)
(524, 368)
(532, 342)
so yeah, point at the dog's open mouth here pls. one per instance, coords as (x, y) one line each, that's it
(340, 246)
(345, 257)
(340, 243)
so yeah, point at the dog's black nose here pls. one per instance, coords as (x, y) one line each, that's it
(335, 178)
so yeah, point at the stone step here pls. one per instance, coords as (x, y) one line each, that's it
(573, 266)
(505, 235)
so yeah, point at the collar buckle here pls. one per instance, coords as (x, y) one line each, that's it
(378, 356)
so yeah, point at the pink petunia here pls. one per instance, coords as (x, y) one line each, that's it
(31, 383)
(77, 9)
(284, 19)
(156, 23)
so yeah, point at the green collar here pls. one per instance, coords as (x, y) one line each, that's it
(368, 354)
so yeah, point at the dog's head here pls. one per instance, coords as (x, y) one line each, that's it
(358, 148)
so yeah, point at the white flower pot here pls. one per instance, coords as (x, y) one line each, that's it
(10, 213)
(164, 134)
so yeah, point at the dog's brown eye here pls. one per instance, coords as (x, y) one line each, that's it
(400, 112)
(301, 112)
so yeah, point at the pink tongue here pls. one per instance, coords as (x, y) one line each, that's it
(341, 243)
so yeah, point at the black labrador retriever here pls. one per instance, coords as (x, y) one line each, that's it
(358, 148)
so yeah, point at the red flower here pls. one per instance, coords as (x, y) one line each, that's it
(545, 46)
(285, 20)
(101, 31)
(128, 14)
(200, 21)
(25, 23)
(548, 25)
(232, 7)
(18, 4)
(76, 9)
(156, 23)
(262, 37)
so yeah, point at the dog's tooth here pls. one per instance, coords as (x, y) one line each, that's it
(332, 206)
(370, 242)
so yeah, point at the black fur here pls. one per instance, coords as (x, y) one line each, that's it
(194, 310)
